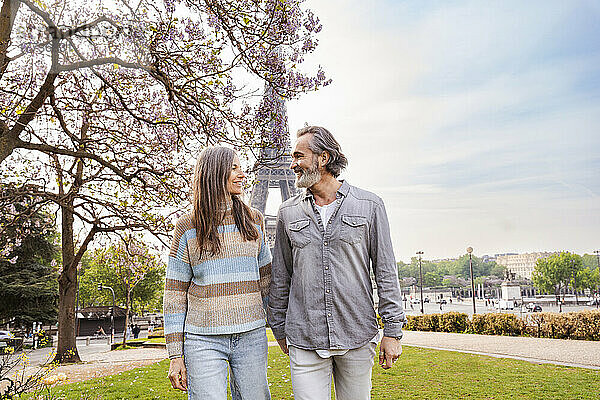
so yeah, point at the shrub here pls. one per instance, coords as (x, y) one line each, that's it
(43, 338)
(583, 325)
(157, 333)
(453, 322)
(496, 324)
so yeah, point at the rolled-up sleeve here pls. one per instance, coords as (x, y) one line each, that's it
(280, 281)
(386, 274)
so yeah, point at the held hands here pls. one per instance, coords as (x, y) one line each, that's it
(178, 374)
(389, 351)
(283, 345)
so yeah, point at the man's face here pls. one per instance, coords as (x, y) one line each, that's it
(305, 163)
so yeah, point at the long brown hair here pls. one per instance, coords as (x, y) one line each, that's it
(210, 199)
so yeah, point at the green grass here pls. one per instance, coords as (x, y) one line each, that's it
(140, 340)
(270, 336)
(121, 347)
(419, 374)
(155, 340)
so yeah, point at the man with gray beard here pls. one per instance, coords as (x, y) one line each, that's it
(329, 239)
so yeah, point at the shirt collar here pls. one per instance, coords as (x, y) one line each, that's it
(341, 192)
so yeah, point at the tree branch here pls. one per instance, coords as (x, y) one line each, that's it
(102, 61)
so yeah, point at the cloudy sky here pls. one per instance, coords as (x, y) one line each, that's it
(476, 122)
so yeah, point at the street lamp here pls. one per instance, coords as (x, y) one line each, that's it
(574, 280)
(598, 287)
(112, 312)
(470, 250)
(420, 253)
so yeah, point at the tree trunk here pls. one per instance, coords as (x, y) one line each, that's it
(127, 306)
(67, 288)
(8, 141)
(7, 19)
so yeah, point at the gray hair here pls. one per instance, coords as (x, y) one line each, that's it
(322, 140)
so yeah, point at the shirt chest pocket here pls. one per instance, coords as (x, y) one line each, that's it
(299, 233)
(354, 229)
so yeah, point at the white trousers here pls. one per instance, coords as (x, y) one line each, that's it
(311, 374)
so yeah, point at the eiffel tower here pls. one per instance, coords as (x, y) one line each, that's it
(276, 172)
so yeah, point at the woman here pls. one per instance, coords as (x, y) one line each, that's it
(217, 280)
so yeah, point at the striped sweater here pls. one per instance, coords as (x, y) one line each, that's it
(215, 294)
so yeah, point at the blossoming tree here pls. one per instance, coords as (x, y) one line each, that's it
(103, 105)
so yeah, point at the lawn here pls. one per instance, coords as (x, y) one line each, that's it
(420, 374)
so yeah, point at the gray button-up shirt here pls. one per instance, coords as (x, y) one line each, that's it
(321, 294)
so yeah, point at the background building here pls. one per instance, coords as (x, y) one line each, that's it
(90, 318)
(521, 264)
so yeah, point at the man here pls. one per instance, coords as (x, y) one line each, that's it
(136, 331)
(328, 241)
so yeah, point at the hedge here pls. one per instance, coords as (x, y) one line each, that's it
(582, 325)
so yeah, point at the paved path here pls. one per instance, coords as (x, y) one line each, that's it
(100, 361)
(106, 362)
(577, 353)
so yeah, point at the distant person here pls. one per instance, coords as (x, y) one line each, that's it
(328, 240)
(216, 287)
(136, 331)
(100, 331)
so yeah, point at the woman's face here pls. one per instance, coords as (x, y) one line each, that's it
(235, 183)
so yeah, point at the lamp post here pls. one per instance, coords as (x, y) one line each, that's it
(420, 253)
(598, 288)
(574, 281)
(112, 312)
(470, 250)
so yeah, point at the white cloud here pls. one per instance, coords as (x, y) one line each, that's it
(468, 120)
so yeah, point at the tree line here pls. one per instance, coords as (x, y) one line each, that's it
(449, 273)
(552, 275)
(565, 270)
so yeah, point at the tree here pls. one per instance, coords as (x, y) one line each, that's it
(496, 269)
(462, 267)
(553, 274)
(588, 278)
(27, 273)
(591, 261)
(431, 278)
(131, 260)
(103, 106)
(147, 294)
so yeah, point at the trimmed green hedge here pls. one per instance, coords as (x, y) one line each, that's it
(582, 325)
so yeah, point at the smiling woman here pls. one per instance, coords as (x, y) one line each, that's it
(215, 292)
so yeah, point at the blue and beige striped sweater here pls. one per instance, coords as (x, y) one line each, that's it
(215, 294)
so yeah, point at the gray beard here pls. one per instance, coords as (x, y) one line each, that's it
(308, 178)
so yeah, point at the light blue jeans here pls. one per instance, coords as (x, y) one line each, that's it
(206, 359)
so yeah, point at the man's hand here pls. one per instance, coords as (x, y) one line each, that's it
(283, 345)
(389, 351)
(178, 374)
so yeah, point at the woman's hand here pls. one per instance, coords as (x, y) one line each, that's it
(178, 374)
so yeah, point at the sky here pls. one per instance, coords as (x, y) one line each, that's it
(476, 122)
